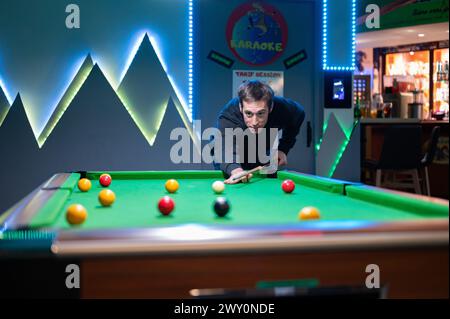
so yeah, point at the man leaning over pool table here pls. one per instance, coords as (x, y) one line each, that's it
(255, 108)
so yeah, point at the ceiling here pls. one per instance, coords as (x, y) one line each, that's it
(402, 36)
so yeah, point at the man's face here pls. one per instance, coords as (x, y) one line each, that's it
(255, 115)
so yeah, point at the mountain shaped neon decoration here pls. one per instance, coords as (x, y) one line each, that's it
(69, 95)
(144, 91)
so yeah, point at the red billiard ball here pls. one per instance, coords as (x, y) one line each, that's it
(105, 180)
(166, 205)
(288, 186)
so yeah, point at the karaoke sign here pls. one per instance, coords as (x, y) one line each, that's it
(256, 33)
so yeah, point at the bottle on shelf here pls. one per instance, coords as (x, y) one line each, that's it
(357, 109)
(442, 71)
(438, 71)
(446, 71)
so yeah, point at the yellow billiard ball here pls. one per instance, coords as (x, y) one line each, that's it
(308, 213)
(84, 184)
(106, 197)
(76, 214)
(172, 186)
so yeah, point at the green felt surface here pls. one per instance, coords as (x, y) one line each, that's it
(408, 203)
(256, 203)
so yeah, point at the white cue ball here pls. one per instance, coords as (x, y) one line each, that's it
(218, 187)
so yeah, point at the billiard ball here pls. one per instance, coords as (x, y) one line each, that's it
(76, 214)
(84, 184)
(172, 185)
(221, 206)
(105, 180)
(288, 186)
(218, 187)
(166, 205)
(106, 197)
(308, 213)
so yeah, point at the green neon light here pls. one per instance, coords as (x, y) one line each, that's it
(150, 136)
(67, 98)
(342, 150)
(4, 105)
(324, 128)
(3, 113)
(338, 157)
(347, 132)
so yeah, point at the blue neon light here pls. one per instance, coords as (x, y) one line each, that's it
(190, 56)
(327, 67)
(187, 107)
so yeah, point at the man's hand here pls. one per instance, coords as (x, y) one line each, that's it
(282, 158)
(235, 173)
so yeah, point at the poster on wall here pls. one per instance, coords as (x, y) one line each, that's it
(273, 78)
(257, 33)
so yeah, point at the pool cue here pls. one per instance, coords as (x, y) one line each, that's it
(246, 173)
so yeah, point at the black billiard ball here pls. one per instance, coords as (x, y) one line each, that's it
(221, 206)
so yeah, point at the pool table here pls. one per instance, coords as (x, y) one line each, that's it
(132, 250)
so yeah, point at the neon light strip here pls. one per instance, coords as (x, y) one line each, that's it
(327, 67)
(5, 92)
(172, 82)
(158, 52)
(325, 30)
(3, 113)
(155, 46)
(191, 63)
(131, 56)
(149, 136)
(4, 105)
(324, 128)
(66, 99)
(341, 151)
(338, 157)
(353, 34)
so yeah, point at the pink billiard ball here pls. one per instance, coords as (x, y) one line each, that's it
(166, 205)
(105, 180)
(288, 186)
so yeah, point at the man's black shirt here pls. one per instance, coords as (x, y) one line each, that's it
(286, 115)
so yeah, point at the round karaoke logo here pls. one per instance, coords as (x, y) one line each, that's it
(256, 33)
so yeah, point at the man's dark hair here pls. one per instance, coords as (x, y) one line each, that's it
(252, 91)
